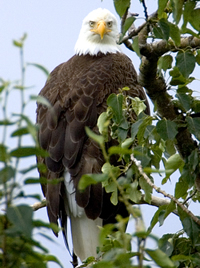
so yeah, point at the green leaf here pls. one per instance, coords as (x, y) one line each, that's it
(17, 43)
(188, 8)
(185, 61)
(4, 155)
(170, 147)
(112, 188)
(177, 77)
(196, 105)
(6, 174)
(150, 132)
(161, 7)
(169, 209)
(175, 34)
(51, 258)
(88, 179)
(156, 217)
(147, 189)
(28, 151)
(119, 150)
(40, 99)
(20, 132)
(163, 23)
(121, 6)
(122, 130)
(173, 163)
(32, 128)
(115, 102)
(177, 9)
(110, 170)
(193, 160)
(21, 218)
(147, 120)
(181, 188)
(114, 196)
(139, 127)
(160, 258)
(99, 139)
(166, 129)
(141, 154)
(185, 101)
(135, 127)
(103, 122)
(198, 56)
(165, 244)
(158, 32)
(128, 22)
(194, 125)
(4, 84)
(135, 46)
(133, 193)
(127, 143)
(192, 229)
(6, 122)
(138, 105)
(181, 258)
(39, 66)
(41, 180)
(194, 19)
(165, 62)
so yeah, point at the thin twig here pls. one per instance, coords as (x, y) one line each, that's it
(189, 197)
(145, 9)
(137, 163)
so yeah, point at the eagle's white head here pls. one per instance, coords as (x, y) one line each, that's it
(98, 33)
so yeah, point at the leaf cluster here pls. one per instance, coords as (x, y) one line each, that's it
(152, 141)
(18, 246)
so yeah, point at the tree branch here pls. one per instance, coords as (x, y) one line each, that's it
(157, 90)
(155, 201)
(139, 167)
(39, 205)
(161, 47)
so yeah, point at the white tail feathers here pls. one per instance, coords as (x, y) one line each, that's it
(85, 232)
(85, 236)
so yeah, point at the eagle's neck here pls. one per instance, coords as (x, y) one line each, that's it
(84, 47)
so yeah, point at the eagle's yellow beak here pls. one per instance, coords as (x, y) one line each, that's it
(101, 28)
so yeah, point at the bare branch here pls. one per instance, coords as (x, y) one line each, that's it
(39, 205)
(144, 175)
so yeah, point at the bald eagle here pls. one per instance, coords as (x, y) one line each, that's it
(77, 91)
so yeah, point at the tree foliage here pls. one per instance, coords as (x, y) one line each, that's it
(17, 225)
(166, 143)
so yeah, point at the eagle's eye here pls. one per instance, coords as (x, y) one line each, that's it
(91, 23)
(109, 23)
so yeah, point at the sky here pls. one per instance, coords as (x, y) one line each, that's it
(52, 29)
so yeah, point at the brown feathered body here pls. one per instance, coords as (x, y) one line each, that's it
(77, 91)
